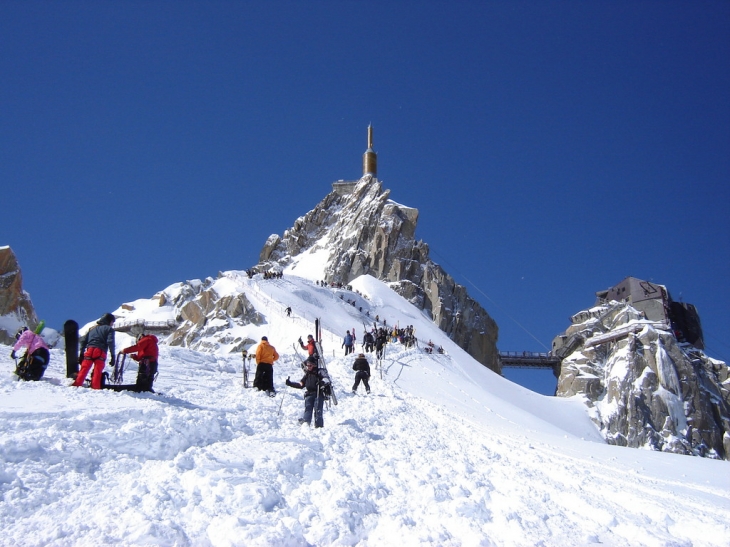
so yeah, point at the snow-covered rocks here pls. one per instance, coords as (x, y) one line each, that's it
(645, 389)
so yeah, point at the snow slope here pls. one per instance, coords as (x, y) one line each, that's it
(443, 452)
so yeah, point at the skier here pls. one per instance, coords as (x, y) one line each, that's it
(288, 311)
(265, 357)
(311, 346)
(368, 342)
(33, 363)
(347, 343)
(317, 384)
(94, 347)
(145, 353)
(380, 342)
(362, 372)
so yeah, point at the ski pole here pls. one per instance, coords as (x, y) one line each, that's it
(281, 404)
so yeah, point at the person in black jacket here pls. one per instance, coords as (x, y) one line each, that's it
(380, 342)
(317, 383)
(362, 372)
(94, 347)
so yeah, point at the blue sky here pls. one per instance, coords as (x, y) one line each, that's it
(552, 148)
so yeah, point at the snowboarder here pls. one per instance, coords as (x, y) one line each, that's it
(145, 352)
(347, 343)
(33, 363)
(265, 357)
(311, 346)
(362, 372)
(317, 384)
(95, 344)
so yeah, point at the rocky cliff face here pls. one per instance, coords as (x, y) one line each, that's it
(363, 232)
(643, 387)
(200, 315)
(16, 309)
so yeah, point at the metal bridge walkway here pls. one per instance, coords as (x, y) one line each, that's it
(528, 359)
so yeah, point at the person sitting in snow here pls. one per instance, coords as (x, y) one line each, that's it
(33, 363)
(362, 373)
(145, 352)
(317, 384)
(95, 344)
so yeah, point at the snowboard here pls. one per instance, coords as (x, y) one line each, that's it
(71, 335)
(245, 372)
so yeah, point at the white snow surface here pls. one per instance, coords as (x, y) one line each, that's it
(442, 452)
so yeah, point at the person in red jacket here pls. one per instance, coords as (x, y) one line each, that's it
(310, 346)
(145, 352)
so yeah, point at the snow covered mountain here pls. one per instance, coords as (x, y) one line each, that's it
(442, 452)
(357, 229)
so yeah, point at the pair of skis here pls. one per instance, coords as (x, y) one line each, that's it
(322, 363)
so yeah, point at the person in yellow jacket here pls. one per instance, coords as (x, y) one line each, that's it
(265, 357)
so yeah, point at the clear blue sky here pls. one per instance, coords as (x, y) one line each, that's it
(552, 148)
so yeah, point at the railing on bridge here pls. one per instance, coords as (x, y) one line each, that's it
(529, 359)
(138, 326)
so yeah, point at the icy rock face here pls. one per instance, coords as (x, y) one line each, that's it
(365, 233)
(16, 309)
(205, 319)
(644, 389)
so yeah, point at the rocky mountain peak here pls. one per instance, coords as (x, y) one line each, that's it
(359, 230)
(644, 388)
(16, 309)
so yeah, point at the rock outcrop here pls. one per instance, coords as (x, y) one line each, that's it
(16, 309)
(644, 388)
(205, 314)
(362, 232)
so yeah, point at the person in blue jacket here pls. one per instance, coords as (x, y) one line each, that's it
(347, 343)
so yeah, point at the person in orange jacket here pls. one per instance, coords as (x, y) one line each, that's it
(265, 357)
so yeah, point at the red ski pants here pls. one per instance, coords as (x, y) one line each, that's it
(92, 356)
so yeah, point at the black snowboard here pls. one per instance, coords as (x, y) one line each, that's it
(71, 334)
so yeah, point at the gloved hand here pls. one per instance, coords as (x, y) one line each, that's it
(300, 341)
(288, 382)
(12, 354)
(81, 358)
(112, 362)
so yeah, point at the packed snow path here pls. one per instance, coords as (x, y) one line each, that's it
(209, 463)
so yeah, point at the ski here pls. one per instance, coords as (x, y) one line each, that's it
(71, 337)
(118, 374)
(323, 364)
